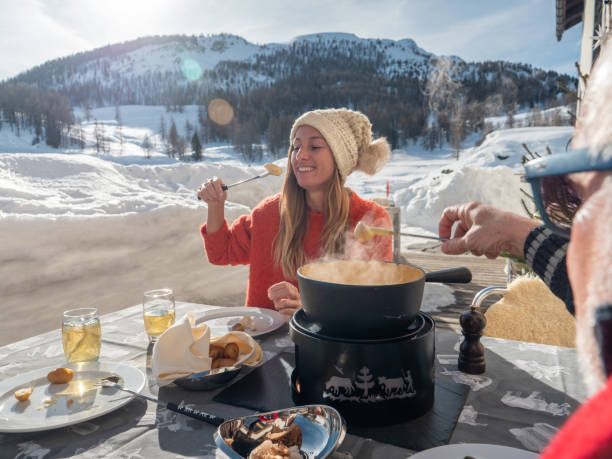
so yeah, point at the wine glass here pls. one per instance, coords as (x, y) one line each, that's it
(158, 311)
(81, 334)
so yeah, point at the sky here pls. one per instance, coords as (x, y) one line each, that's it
(35, 31)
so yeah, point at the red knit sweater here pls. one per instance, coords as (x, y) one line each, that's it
(587, 434)
(250, 241)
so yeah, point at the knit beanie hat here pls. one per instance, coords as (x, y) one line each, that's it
(349, 135)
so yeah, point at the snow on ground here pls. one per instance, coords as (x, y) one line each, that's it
(523, 119)
(60, 185)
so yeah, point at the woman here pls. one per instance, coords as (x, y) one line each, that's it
(312, 217)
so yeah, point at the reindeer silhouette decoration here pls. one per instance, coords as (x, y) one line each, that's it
(371, 388)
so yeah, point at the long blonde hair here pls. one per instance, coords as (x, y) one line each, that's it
(289, 242)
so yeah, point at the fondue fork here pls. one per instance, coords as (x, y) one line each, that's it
(271, 169)
(177, 408)
(363, 233)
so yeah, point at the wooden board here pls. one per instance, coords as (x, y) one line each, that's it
(485, 273)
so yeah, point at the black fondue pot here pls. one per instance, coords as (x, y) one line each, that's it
(370, 381)
(367, 311)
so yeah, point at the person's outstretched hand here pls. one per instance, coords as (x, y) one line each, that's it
(286, 298)
(484, 230)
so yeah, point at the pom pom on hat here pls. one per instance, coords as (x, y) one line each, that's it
(349, 136)
(374, 157)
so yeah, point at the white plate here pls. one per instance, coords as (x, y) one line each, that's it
(58, 405)
(475, 450)
(221, 320)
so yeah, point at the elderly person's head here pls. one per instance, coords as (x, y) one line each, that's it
(589, 266)
(573, 193)
(590, 249)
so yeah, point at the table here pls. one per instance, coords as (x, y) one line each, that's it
(527, 392)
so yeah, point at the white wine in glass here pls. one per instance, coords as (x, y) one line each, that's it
(81, 334)
(158, 312)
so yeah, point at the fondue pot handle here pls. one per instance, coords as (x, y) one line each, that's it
(453, 275)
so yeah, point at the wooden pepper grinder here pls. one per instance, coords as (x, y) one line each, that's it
(471, 350)
(473, 322)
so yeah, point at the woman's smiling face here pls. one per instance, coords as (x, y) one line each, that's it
(311, 159)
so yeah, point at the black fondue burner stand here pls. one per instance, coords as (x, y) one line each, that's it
(370, 381)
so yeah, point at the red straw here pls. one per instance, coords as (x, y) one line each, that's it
(387, 190)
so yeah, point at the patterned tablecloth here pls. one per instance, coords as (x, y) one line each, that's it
(527, 392)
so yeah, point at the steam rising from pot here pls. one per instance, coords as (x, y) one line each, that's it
(356, 272)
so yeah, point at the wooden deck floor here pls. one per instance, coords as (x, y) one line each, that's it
(485, 273)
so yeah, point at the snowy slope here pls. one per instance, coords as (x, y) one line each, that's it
(35, 183)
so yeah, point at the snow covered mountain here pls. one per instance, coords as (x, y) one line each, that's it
(190, 57)
(187, 69)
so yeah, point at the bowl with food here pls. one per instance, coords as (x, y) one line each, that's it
(229, 354)
(309, 431)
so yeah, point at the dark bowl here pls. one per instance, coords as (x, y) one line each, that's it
(376, 311)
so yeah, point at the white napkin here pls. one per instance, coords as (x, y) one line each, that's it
(181, 350)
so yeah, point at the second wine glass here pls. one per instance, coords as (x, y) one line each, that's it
(158, 311)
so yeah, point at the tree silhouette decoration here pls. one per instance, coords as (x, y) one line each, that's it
(364, 380)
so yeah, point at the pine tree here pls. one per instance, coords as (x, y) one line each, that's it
(51, 131)
(38, 125)
(196, 147)
(173, 140)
